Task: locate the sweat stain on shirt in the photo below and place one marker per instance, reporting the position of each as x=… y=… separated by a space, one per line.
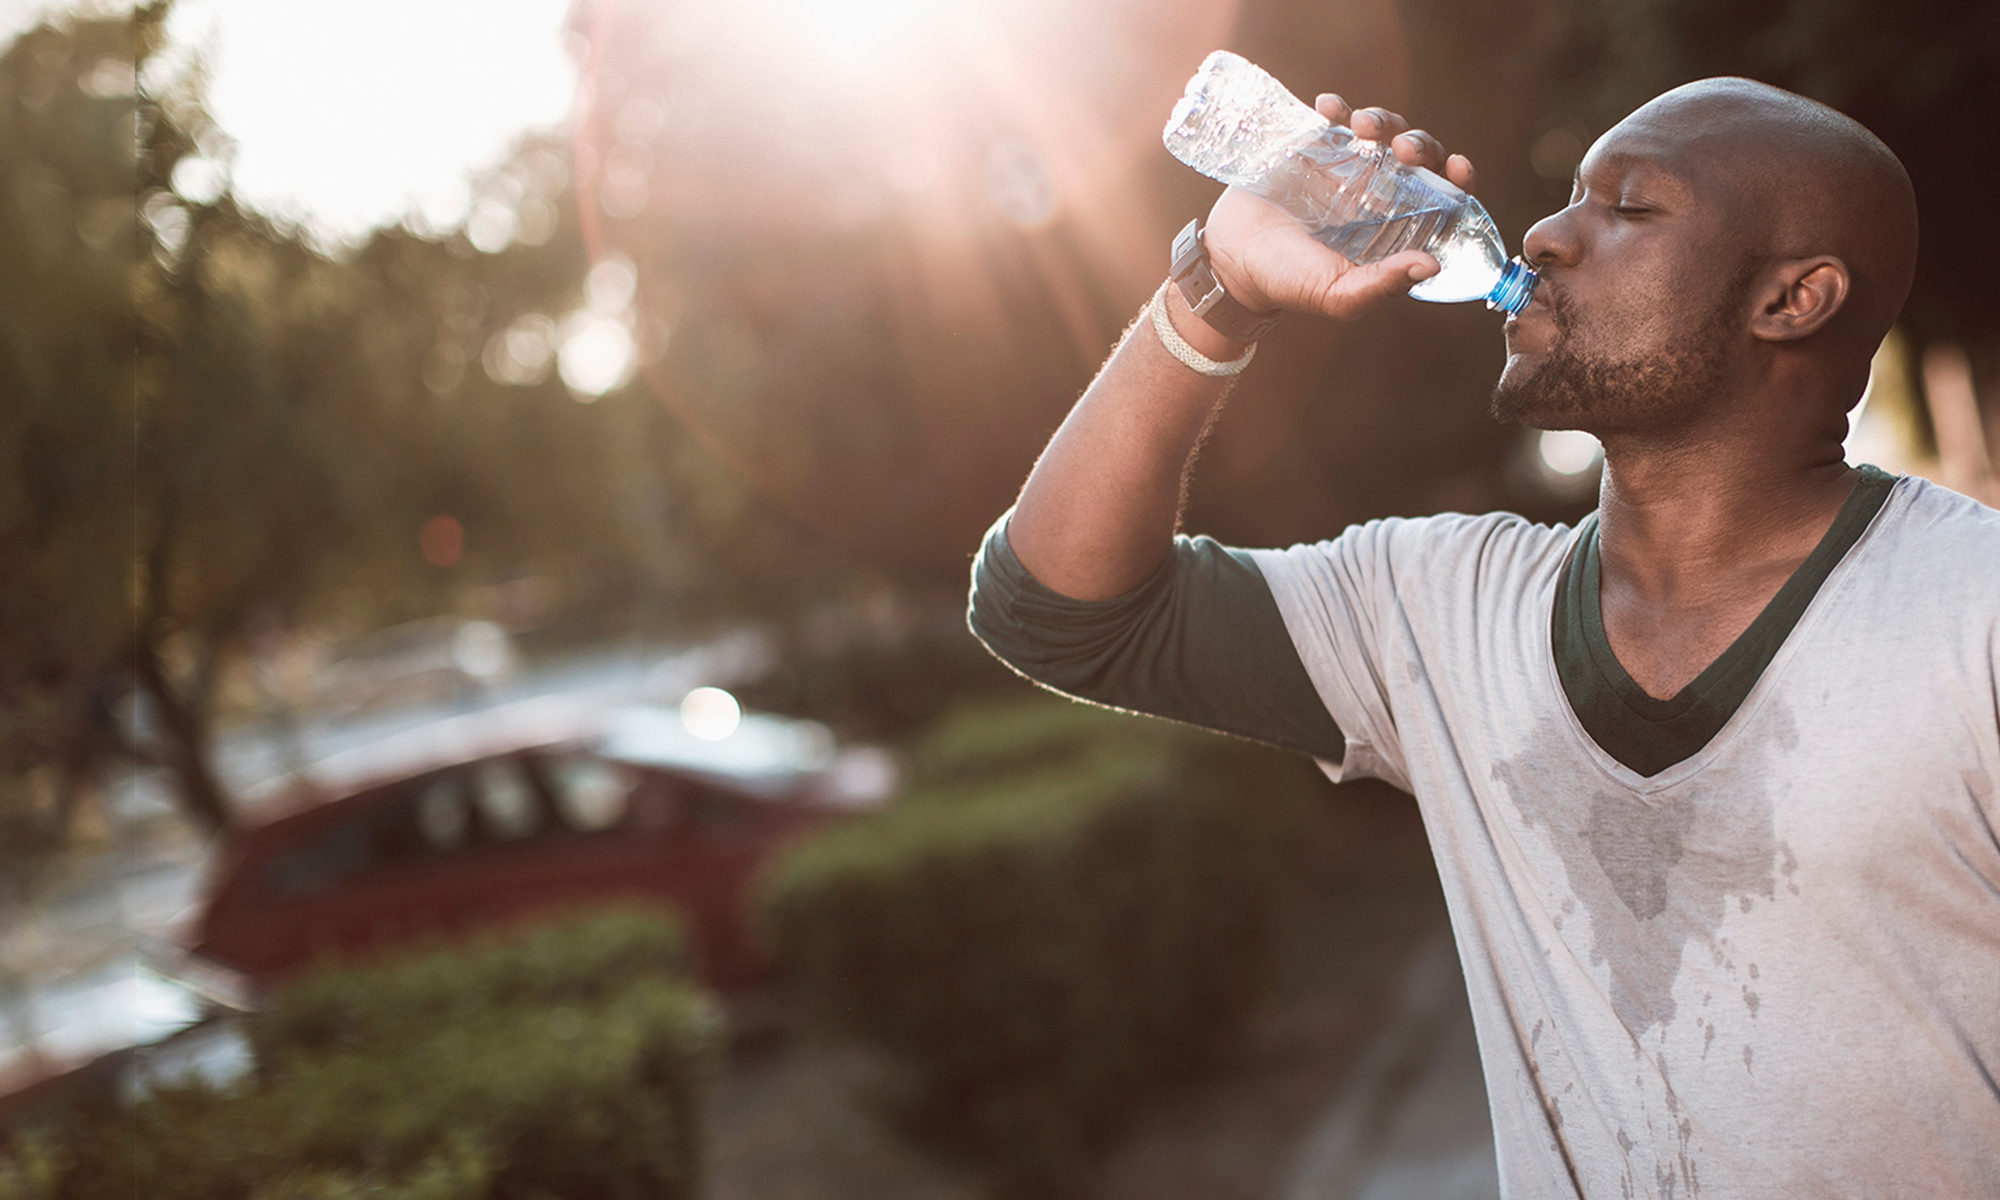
x=1655 y=872
x=1860 y=823
x=1636 y=845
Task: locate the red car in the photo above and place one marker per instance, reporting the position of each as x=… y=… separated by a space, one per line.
x=489 y=818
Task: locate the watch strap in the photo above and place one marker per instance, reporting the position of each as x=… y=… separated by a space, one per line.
x=1192 y=273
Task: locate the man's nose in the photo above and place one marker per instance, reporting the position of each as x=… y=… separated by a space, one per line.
x=1551 y=240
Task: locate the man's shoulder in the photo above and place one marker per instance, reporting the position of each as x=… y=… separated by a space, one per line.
x=1445 y=538
x=1432 y=553
x=1936 y=504
x=1926 y=522
x=1932 y=552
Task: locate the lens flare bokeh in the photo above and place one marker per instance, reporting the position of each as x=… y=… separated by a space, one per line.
x=799 y=184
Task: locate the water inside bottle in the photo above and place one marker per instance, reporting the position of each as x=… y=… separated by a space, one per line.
x=1238 y=125
x=1469 y=259
x=1374 y=238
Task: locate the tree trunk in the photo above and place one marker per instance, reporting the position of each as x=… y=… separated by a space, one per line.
x=184 y=728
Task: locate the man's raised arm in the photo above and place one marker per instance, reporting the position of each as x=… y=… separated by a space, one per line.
x=1098 y=514
x=1084 y=587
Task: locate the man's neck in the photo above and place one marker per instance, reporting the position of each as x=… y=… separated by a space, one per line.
x=1697 y=538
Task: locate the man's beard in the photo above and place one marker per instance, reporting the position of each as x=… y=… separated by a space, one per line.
x=1570 y=389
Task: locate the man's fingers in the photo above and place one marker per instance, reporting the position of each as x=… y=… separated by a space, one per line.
x=1458 y=169
x=1363 y=287
x=1414 y=146
x=1334 y=109
x=1377 y=124
x=1419 y=149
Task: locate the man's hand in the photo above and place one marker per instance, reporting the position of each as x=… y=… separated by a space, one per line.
x=1267 y=261
x=1098 y=513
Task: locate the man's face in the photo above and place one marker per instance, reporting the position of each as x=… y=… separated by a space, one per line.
x=1643 y=286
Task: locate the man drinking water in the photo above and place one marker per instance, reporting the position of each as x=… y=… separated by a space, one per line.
x=1713 y=778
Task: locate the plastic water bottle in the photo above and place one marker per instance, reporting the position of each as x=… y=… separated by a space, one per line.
x=1238 y=125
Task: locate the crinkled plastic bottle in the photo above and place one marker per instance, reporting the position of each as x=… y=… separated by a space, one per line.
x=1238 y=125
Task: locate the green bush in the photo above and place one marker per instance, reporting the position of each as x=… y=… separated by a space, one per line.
x=565 y=1061
x=580 y=961
x=1069 y=908
x=882 y=688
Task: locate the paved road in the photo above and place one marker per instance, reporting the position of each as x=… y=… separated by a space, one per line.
x=1411 y=1121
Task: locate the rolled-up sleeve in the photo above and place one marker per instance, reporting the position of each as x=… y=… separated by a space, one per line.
x=1200 y=641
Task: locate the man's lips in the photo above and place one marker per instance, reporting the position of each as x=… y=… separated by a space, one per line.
x=1536 y=324
x=1541 y=308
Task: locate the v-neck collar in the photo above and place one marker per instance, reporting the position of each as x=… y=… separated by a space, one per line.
x=1648 y=734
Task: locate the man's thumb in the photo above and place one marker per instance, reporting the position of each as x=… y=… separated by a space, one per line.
x=1366 y=286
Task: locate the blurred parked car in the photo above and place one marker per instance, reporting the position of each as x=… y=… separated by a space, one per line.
x=488 y=818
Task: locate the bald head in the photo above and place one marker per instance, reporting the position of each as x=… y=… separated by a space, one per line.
x=1801 y=180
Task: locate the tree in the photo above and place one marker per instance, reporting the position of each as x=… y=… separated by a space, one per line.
x=67 y=384
x=219 y=426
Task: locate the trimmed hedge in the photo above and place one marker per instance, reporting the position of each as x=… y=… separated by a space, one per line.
x=566 y=1061
x=583 y=960
x=1070 y=908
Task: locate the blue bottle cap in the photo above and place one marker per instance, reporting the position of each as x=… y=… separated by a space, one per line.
x=1516 y=287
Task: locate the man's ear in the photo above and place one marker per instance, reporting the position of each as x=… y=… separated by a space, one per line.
x=1797 y=297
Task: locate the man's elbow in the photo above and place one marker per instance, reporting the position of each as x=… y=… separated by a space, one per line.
x=988 y=616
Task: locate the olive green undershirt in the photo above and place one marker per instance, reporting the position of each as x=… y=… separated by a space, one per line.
x=1199 y=641
x=1202 y=641
x=1649 y=734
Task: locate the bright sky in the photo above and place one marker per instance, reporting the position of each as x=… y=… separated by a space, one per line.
x=350 y=112
x=347 y=113
x=17 y=15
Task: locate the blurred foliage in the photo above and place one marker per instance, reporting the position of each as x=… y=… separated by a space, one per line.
x=1069 y=909
x=881 y=680
x=219 y=432
x=579 y=961
x=66 y=413
x=567 y=1060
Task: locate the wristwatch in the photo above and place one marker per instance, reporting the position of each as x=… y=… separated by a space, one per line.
x=1203 y=292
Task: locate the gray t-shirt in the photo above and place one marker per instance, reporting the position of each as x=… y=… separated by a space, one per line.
x=1770 y=969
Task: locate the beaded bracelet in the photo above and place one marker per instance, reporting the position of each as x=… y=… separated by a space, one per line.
x=1190 y=357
